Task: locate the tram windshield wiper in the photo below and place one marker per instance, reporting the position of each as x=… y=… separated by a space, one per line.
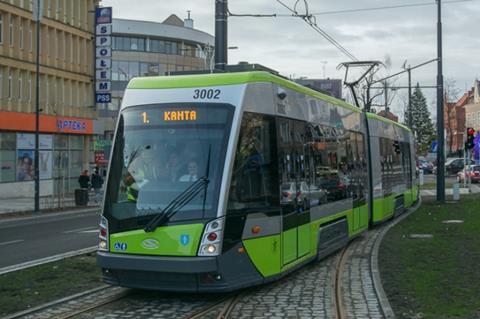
x=181 y=200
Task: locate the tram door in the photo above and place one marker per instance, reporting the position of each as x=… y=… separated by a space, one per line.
x=294 y=197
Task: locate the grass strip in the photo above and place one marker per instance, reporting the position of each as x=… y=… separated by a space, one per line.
x=438 y=277
x=433 y=185
x=27 y=288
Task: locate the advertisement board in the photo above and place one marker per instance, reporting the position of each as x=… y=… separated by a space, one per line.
x=103 y=54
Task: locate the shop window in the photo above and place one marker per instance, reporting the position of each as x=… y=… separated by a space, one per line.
x=7 y=157
x=60 y=142
x=76 y=142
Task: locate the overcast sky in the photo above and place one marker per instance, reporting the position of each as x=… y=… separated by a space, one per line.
x=290 y=46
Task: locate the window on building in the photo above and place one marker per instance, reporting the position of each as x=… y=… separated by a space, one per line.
x=30 y=36
x=21 y=34
x=11 y=33
x=115 y=76
x=58 y=9
x=1 y=28
x=134 y=44
x=7 y=157
x=10 y=84
x=123 y=70
x=1 y=83
x=47 y=37
x=20 y=86
x=132 y=69
x=47 y=91
x=30 y=87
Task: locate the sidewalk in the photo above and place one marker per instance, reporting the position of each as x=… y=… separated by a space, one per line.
x=25 y=205
x=449 y=191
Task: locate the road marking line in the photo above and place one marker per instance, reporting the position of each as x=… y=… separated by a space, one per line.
x=42 y=261
x=89 y=231
x=12 y=242
x=79 y=230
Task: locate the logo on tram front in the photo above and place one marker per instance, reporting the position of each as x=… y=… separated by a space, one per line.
x=150 y=243
x=184 y=239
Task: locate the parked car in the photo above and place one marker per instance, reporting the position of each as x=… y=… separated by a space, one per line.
x=473 y=171
x=425 y=166
x=455 y=165
x=334 y=186
x=303 y=194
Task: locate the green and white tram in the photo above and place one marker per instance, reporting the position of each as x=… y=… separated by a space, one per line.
x=223 y=181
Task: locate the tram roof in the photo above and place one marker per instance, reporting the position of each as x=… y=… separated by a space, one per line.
x=218 y=79
x=388 y=121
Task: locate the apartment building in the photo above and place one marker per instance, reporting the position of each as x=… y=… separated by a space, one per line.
x=66 y=94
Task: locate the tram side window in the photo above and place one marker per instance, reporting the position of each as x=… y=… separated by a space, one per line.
x=386 y=164
x=255 y=171
x=330 y=165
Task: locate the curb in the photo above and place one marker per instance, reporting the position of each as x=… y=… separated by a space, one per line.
x=19 y=216
x=377 y=280
x=42 y=261
x=54 y=303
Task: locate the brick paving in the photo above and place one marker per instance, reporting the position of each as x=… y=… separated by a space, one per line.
x=305 y=293
x=359 y=295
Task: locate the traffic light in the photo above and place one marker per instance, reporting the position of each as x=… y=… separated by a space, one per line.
x=470 y=137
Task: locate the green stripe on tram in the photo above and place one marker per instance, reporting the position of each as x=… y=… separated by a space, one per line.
x=268 y=261
x=219 y=79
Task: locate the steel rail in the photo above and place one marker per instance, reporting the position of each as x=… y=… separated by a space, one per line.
x=339 y=306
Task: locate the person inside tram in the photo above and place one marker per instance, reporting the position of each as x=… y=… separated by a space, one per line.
x=173 y=167
x=141 y=170
x=192 y=172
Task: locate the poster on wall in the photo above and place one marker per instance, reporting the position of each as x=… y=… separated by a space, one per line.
x=45 y=164
x=27 y=141
x=7 y=166
x=25 y=167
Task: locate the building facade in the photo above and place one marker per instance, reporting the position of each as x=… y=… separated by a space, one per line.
x=455 y=125
x=66 y=94
x=142 y=48
x=389 y=115
x=332 y=87
x=472 y=107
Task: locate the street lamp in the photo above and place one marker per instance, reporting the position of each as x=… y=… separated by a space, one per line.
x=37 y=16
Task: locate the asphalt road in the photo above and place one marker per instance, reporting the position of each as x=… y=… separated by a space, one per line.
x=28 y=239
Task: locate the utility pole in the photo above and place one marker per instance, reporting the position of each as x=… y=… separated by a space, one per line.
x=37 y=15
x=440 y=115
x=221 y=34
x=409 y=120
x=385 y=91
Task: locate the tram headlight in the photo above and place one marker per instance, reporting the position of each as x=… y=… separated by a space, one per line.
x=103 y=235
x=211 y=243
x=211 y=248
x=102 y=245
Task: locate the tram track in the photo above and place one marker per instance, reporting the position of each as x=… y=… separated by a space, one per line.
x=111 y=299
x=339 y=306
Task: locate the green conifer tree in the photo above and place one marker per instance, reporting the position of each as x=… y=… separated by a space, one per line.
x=422 y=125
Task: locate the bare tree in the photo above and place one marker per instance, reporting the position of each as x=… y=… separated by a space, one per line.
x=451 y=92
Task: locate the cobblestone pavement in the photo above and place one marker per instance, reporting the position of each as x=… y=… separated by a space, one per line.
x=359 y=296
x=305 y=293
x=75 y=304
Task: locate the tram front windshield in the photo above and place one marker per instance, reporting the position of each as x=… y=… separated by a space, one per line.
x=159 y=151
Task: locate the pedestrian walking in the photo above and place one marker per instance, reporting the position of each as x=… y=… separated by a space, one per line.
x=97 y=182
x=84 y=179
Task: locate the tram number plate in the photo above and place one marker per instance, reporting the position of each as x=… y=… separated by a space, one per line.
x=209 y=94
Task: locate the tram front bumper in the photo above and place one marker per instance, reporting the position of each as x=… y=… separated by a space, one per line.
x=185 y=274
